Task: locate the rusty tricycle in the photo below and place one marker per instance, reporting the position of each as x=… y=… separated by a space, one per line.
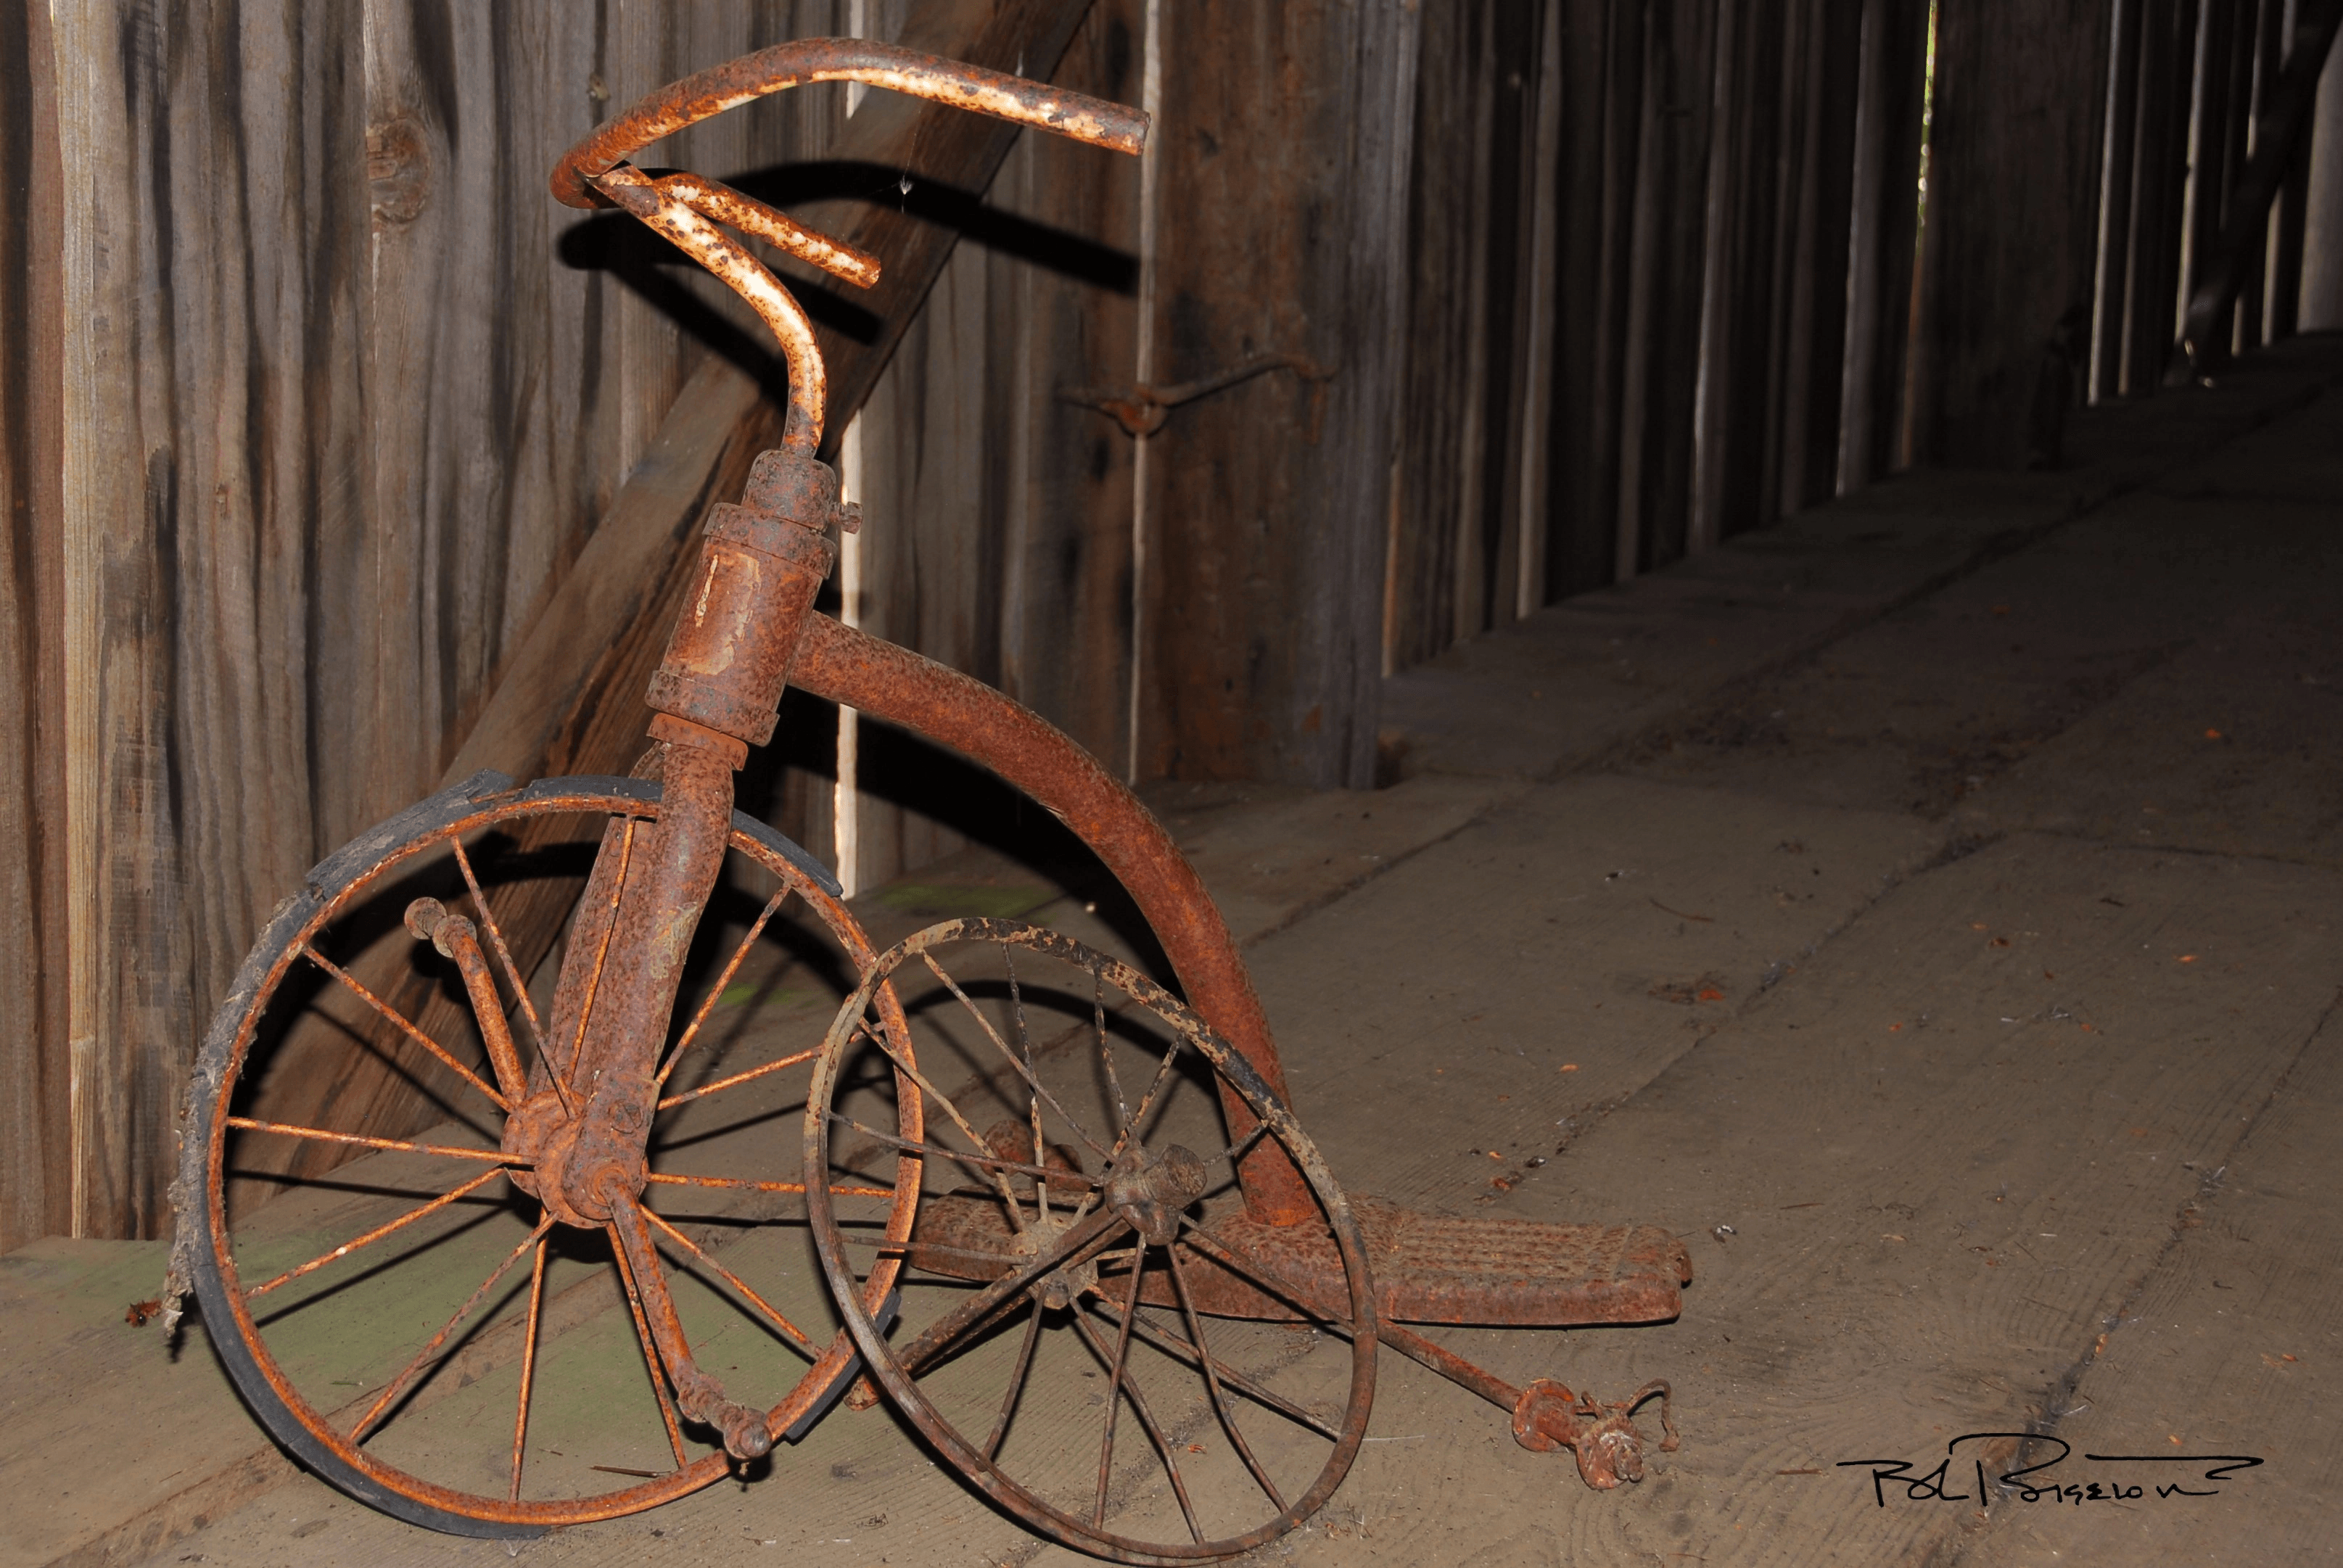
x=1063 y=1219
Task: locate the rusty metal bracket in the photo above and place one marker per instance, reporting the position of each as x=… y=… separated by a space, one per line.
x=1140 y=409
x=1610 y=1449
x=1548 y=1417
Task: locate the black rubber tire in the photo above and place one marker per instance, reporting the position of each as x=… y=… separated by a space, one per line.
x=195 y=1193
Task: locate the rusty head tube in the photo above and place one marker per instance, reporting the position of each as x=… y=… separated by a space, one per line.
x=594 y=171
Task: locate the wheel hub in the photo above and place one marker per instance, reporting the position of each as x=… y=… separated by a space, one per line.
x=1150 y=1190
x=580 y=1167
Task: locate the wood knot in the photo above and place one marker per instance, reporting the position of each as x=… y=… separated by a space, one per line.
x=398 y=171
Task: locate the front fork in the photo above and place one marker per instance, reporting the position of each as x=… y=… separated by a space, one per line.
x=585 y=1120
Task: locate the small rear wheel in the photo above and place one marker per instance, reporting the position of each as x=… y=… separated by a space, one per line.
x=1066 y=1340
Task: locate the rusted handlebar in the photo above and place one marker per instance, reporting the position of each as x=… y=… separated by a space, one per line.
x=784 y=66
x=679 y=206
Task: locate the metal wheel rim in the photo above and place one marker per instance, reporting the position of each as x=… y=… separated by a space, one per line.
x=884 y=1369
x=584 y=796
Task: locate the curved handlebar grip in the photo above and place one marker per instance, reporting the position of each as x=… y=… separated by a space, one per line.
x=721 y=88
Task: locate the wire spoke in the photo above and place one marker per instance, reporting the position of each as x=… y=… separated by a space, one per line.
x=741 y=1184
x=1242 y=1146
x=527 y=1367
x=992 y=1317
x=934 y=1249
x=494 y=1156
x=1002 y=1046
x=716 y=991
x=651 y=1363
x=1146 y=1419
x=789 y=1330
x=1097 y=1015
x=398 y=1383
x=734 y=1082
x=1178 y=1348
x=1114 y=1389
x=1016 y=1214
x=1075 y=1246
x=979 y=1163
x=377 y=1234
x=512 y=973
x=395 y=1017
x=497 y=940
x=1261 y=1273
x=1213 y=1381
x=1146 y=1101
x=1016 y=1381
x=602 y=956
x=1032 y=1099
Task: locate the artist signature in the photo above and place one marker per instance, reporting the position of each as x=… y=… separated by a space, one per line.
x=2028 y=1483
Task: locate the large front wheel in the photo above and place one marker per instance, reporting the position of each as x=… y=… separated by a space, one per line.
x=363 y=1238
x=1067 y=1340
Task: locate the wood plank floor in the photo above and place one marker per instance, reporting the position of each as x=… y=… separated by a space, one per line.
x=1950 y=952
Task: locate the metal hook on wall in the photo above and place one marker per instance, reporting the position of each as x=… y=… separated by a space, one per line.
x=1140 y=409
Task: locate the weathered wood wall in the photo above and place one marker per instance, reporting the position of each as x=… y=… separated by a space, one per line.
x=2321 y=307
x=1236 y=581
x=310 y=399
x=998 y=538
x=1283 y=147
x=1663 y=259
x=1659 y=276
x=36 y=1138
x=2020 y=111
x=345 y=393
x=353 y=396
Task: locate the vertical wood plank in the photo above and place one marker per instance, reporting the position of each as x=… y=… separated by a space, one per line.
x=2012 y=217
x=1264 y=651
x=1631 y=552
x=1543 y=285
x=1514 y=49
x=1656 y=468
x=1815 y=343
x=2282 y=309
x=1788 y=181
x=2322 y=222
x=35 y=1141
x=215 y=406
x=2258 y=59
x=1065 y=619
x=2114 y=202
x=1883 y=237
x=1748 y=369
x=1446 y=305
x=1477 y=384
x=1728 y=102
x=1578 y=531
x=2159 y=184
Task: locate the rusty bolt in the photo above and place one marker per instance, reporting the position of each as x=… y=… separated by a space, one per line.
x=427 y=920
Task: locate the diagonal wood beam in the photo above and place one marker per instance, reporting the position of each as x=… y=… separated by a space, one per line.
x=570 y=699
